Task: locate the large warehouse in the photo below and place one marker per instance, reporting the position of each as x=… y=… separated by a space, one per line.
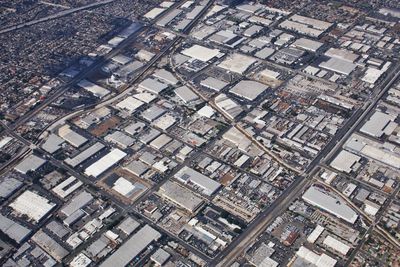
x=333 y=204
x=32 y=205
x=106 y=162
x=181 y=196
x=249 y=90
x=207 y=185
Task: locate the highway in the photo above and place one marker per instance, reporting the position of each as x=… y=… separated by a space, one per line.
x=54 y=16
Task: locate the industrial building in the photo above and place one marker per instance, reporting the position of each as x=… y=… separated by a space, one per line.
x=95 y=89
x=85 y=154
x=378 y=124
x=130 y=104
x=67 y=187
x=106 y=162
x=71 y=136
x=186 y=94
x=249 y=90
x=214 y=84
x=346 y=162
x=8 y=186
x=189 y=176
x=181 y=196
x=166 y=76
x=228 y=106
x=338 y=65
x=237 y=63
x=336 y=245
x=201 y=53
x=305 y=25
x=52 y=144
x=49 y=245
x=30 y=163
x=333 y=204
x=152 y=86
x=13 y=230
x=307 y=257
x=120 y=139
x=32 y=205
x=307 y=44
x=132 y=247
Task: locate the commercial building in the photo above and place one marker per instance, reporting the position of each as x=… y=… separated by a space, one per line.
x=189 y=176
x=132 y=247
x=333 y=204
x=32 y=205
x=106 y=162
x=181 y=196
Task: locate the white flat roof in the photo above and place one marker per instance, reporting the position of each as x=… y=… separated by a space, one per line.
x=237 y=63
x=130 y=103
x=201 y=53
x=155 y=12
x=336 y=245
x=331 y=203
x=376 y=124
x=188 y=175
x=338 y=65
x=345 y=161
x=32 y=205
x=106 y=162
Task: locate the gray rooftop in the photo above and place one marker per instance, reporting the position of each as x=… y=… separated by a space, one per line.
x=30 y=163
x=132 y=248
